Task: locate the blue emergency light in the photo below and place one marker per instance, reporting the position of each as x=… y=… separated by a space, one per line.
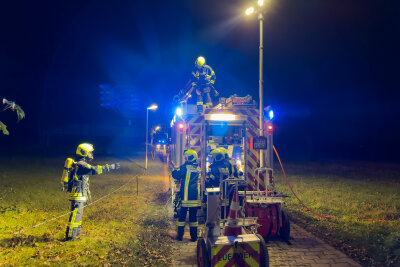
x=178 y=112
x=271 y=114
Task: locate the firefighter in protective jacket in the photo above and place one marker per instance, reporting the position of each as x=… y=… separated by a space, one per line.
x=233 y=171
x=219 y=169
x=203 y=80
x=189 y=174
x=79 y=186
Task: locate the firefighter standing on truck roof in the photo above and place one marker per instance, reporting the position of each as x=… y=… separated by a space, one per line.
x=203 y=81
x=189 y=173
x=78 y=185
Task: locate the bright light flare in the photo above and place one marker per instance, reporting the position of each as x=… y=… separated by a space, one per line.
x=270 y=128
x=157 y=128
x=223 y=117
x=181 y=125
x=271 y=114
x=249 y=11
x=260 y=2
x=178 y=112
x=153 y=107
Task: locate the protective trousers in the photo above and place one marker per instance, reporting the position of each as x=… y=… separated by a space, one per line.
x=192 y=222
x=75 y=220
x=203 y=92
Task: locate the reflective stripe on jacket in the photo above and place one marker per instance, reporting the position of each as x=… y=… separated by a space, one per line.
x=189 y=174
x=82 y=170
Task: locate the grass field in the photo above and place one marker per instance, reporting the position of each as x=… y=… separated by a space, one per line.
x=126 y=229
x=122 y=229
x=351 y=192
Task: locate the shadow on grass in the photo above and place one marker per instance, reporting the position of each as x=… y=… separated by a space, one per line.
x=26 y=241
x=163 y=198
x=150 y=247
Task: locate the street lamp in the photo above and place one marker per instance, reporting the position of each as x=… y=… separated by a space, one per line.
x=152 y=107
x=250 y=11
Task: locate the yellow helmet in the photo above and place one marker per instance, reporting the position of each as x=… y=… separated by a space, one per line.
x=200 y=61
x=190 y=155
x=85 y=150
x=224 y=151
x=217 y=154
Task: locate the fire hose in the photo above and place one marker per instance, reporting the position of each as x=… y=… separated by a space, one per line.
x=324 y=216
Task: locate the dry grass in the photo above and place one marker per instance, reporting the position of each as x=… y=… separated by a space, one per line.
x=118 y=230
x=351 y=192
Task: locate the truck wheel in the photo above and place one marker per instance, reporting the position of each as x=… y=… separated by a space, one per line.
x=203 y=259
x=264 y=256
x=285 y=229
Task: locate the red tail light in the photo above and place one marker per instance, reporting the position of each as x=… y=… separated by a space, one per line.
x=181 y=126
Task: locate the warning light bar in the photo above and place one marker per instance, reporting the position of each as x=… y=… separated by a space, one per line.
x=223 y=117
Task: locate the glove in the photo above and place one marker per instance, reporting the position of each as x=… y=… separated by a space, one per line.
x=115 y=166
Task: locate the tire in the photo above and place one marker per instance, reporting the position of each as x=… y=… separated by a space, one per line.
x=284 y=232
x=264 y=256
x=203 y=259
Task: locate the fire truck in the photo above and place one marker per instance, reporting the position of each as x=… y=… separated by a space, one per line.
x=233 y=124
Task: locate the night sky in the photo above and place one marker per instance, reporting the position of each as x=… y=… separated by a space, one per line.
x=331 y=70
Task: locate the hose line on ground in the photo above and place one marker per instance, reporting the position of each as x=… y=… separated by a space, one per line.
x=65 y=214
x=304 y=205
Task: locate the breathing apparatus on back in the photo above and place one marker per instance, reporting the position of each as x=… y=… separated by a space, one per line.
x=84 y=150
x=67 y=177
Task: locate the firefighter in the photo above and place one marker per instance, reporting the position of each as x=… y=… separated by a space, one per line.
x=80 y=192
x=233 y=171
x=203 y=80
x=189 y=175
x=223 y=168
x=218 y=169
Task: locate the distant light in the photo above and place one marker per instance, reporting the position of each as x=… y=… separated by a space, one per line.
x=178 y=112
x=271 y=114
x=249 y=11
x=270 y=127
x=157 y=128
x=223 y=117
x=260 y=2
x=181 y=125
x=153 y=107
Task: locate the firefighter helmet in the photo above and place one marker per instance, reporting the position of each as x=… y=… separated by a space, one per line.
x=200 y=61
x=190 y=155
x=85 y=150
x=217 y=154
x=224 y=151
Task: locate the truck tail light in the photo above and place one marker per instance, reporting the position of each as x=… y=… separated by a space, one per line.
x=181 y=126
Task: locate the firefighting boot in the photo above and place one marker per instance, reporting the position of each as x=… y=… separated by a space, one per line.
x=181 y=230
x=200 y=103
x=199 y=107
x=71 y=235
x=208 y=100
x=193 y=234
